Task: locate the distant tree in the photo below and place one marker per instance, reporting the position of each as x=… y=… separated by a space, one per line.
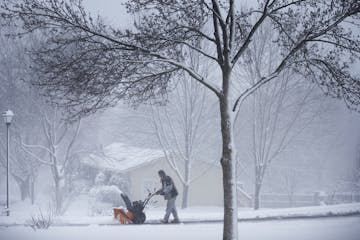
x=292 y=178
x=180 y=127
x=21 y=98
x=59 y=151
x=357 y=169
x=23 y=169
x=87 y=65
x=277 y=114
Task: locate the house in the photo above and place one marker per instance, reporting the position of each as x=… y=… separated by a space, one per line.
x=140 y=166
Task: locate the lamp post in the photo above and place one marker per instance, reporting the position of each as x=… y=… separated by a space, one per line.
x=7 y=115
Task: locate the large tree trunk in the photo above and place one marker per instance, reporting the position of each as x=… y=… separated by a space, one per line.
x=228 y=163
x=257 y=195
x=23 y=187
x=186 y=185
x=58 y=193
x=184 y=203
x=32 y=189
x=258 y=184
x=291 y=199
x=58 y=196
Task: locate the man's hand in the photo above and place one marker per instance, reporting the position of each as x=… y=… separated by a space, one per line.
x=159 y=192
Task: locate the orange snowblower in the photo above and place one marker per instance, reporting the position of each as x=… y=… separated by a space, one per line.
x=134 y=212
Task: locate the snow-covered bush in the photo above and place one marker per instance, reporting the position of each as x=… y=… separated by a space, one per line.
x=42 y=220
x=103 y=199
x=320 y=198
x=100 y=178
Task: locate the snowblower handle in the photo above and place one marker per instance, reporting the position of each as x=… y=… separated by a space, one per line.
x=149 y=197
x=158 y=192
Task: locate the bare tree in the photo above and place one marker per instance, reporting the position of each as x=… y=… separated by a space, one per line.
x=291 y=182
x=19 y=96
x=356 y=172
x=59 y=145
x=88 y=65
x=278 y=113
x=23 y=171
x=178 y=127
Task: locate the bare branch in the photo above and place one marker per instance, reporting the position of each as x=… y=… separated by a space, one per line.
x=251 y=34
x=35 y=156
x=286 y=5
x=72 y=142
x=252 y=89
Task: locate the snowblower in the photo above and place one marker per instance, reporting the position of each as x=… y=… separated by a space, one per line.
x=134 y=212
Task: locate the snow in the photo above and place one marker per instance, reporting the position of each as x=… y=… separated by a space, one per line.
x=80 y=209
x=102 y=198
x=199 y=223
x=121 y=157
x=319 y=229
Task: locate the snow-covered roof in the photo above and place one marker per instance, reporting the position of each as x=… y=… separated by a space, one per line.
x=120 y=157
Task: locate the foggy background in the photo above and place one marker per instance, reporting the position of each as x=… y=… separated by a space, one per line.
x=321 y=151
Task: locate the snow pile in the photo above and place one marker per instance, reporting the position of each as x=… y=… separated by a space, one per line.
x=303 y=212
x=216 y=214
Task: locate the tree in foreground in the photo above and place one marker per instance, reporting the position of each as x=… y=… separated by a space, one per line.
x=87 y=65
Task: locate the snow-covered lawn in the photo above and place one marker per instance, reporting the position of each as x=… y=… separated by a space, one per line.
x=339 y=228
x=77 y=224
x=78 y=213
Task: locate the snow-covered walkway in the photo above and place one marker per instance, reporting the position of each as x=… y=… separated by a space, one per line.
x=78 y=216
x=340 y=228
x=76 y=224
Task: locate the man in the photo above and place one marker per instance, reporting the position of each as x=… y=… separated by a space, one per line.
x=168 y=190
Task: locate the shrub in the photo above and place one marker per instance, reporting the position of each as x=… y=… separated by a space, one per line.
x=41 y=221
x=100 y=178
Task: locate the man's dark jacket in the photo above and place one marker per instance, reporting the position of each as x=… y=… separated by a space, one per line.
x=168 y=188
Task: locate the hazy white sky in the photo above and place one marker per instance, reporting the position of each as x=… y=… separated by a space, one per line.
x=112 y=11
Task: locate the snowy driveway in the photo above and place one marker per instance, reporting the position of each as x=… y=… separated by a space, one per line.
x=337 y=228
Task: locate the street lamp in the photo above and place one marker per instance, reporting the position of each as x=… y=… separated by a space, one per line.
x=7 y=115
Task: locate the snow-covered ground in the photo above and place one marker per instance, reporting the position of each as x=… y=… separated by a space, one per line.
x=78 y=214
x=200 y=223
x=341 y=228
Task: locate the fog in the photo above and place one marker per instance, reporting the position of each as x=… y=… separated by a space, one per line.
x=315 y=143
